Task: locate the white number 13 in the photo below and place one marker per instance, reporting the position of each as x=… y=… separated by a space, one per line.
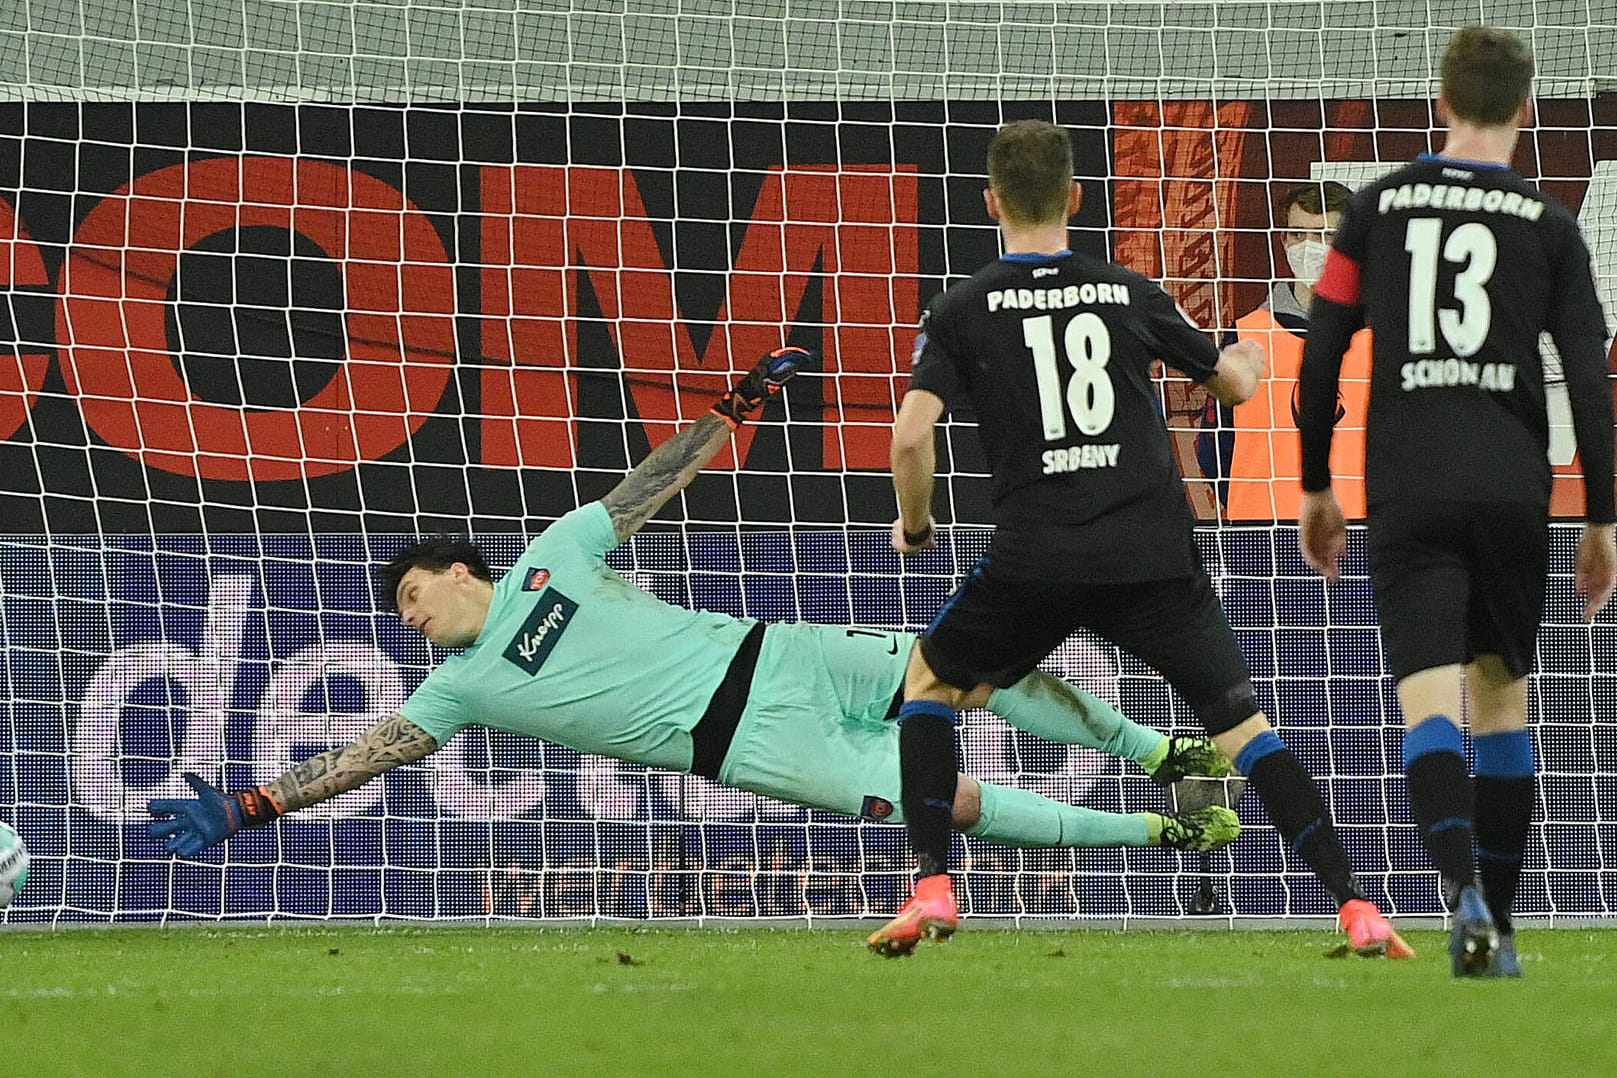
x=1090 y=395
x=1467 y=328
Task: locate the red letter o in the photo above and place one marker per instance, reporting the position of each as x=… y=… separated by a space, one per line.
x=400 y=298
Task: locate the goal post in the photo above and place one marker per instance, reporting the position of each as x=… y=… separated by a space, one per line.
x=285 y=285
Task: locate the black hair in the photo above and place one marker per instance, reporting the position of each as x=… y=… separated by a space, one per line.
x=435 y=555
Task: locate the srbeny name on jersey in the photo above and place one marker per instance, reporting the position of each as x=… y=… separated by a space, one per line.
x=1447 y=196
x=1445 y=373
x=1079 y=457
x=1055 y=299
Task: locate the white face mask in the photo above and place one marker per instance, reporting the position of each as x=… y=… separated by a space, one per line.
x=1307 y=258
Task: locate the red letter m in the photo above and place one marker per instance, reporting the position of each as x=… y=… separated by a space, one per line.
x=544 y=225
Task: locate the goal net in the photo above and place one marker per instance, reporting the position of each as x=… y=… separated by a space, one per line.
x=286 y=284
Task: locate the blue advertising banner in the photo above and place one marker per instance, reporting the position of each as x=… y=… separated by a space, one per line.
x=133 y=660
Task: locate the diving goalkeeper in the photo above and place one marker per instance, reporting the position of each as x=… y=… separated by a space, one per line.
x=563 y=648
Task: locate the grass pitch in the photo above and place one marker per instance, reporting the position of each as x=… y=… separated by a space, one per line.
x=524 y=1001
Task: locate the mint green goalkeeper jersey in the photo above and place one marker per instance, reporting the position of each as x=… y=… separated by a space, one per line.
x=573 y=653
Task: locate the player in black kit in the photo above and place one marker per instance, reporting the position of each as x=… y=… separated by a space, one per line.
x=1054 y=350
x=1459 y=264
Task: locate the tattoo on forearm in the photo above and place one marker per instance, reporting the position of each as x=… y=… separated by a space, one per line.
x=392 y=742
x=663 y=474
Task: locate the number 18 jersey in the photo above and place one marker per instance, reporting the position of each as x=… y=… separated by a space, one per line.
x=1054 y=355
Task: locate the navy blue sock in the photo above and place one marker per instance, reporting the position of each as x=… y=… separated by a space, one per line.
x=1505 y=769
x=1298 y=811
x=1441 y=799
x=928 y=765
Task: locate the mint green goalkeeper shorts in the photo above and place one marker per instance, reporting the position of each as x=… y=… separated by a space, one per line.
x=817 y=729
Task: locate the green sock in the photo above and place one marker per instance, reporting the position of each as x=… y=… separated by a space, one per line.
x=1057 y=711
x=1022 y=818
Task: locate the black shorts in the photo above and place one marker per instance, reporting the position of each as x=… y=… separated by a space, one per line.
x=1455 y=580
x=998 y=626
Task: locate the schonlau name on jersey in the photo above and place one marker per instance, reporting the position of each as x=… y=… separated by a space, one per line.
x=1444 y=373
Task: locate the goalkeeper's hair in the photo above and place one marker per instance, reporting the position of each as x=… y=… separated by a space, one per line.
x=1487 y=75
x=1030 y=167
x=434 y=555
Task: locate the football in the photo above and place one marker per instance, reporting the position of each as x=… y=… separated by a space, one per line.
x=13 y=864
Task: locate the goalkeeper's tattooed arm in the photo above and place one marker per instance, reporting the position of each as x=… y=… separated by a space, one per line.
x=666 y=472
x=670 y=467
x=187 y=826
x=390 y=743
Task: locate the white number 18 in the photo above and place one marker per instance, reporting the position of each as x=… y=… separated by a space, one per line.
x=1090 y=395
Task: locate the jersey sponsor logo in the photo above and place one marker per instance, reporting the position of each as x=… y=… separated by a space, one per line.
x=1444 y=196
x=876 y=808
x=538 y=637
x=536 y=580
x=1445 y=373
x=1080 y=457
x=1055 y=299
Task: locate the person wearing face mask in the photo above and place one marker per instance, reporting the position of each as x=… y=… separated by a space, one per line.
x=1252 y=450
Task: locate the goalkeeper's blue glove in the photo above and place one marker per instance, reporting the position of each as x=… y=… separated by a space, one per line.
x=760 y=383
x=187 y=827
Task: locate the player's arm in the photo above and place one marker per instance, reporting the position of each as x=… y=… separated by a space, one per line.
x=914 y=462
x=188 y=826
x=670 y=467
x=1334 y=317
x=1231 y=374
x=1238 y=373
x=1336 y=314
x=1577 y=324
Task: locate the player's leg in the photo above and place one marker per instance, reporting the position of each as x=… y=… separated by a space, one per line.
x=1504 y=793
x=928 y=758
x=1440 y=794
x=1507 y=604
x=1421 y=570
x=987 y=633
x=1058 y=711
x=1179 y=628
x=1022 y=818
x=928 y=764
x=1442 y=800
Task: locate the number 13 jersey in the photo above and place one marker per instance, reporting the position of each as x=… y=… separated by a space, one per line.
x=1054 y=355
x=1459 y=266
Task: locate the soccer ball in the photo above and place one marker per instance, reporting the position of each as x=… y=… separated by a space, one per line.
x=13 y=864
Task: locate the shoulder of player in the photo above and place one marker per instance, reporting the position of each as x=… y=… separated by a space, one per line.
x=578 y=529
x=1433 y=171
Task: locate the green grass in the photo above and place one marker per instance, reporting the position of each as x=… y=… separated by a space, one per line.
x=523 y=1001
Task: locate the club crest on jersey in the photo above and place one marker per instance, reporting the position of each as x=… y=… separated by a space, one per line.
x=876 y=808
x=538 y=637
x=536 y=579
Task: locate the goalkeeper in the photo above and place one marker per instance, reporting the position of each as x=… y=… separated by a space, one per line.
x=565 y=649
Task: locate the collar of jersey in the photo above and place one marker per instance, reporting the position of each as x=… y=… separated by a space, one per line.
x=1438 y=158
x=1033 y=256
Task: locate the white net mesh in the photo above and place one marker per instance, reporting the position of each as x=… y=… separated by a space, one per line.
x=284 y=282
